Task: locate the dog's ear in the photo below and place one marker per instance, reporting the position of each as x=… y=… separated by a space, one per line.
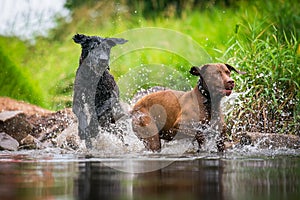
x=195 y=71
x=114 y=41
x=233 y=69
x=80 y=38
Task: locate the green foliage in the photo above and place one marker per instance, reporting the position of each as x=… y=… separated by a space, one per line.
x=71 y=4
x=271 y=58
x=16 y=83
x=284 y=15
x=155 y=8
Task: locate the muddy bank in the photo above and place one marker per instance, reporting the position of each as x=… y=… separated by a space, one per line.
x=26 y=126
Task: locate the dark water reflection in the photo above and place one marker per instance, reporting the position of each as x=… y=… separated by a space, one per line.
x=22 y=177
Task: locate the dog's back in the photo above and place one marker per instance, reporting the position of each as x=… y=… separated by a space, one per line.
x=165 y=110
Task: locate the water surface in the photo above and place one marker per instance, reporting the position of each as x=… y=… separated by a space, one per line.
x=55 y=174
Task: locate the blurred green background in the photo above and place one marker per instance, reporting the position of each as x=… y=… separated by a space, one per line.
x=259 y=37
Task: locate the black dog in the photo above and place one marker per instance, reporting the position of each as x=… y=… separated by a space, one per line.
x=96 y=94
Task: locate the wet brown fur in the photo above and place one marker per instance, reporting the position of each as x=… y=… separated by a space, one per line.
x=163 y=114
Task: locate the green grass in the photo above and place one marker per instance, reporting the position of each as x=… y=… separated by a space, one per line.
x=16 y=82
x=269 y=51
x=272 y=80
x=261 y=38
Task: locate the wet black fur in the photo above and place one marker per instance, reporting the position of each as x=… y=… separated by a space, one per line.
x=107 y=93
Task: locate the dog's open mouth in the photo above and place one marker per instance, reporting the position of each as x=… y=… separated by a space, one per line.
x=226 y=91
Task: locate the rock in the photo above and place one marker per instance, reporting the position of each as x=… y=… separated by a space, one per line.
x=35 y=127
x=15 y=124
x=8 y=143
x=30 y=142
x=49 y=126
x=271 y=140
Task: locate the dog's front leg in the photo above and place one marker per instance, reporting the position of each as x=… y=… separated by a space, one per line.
x=145 y=128
x=200 y=138
x=152 y=143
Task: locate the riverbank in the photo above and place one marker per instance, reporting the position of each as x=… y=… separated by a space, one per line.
x=27 y=126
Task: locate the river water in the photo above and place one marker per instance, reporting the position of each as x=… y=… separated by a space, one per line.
x=236 y=174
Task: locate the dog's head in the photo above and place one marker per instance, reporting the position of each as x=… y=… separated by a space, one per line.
x=215 y=79
x=98 y=46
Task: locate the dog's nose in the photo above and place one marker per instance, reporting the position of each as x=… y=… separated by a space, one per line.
x=230 y=81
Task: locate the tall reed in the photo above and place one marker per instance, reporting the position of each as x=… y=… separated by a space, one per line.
x=271 y=59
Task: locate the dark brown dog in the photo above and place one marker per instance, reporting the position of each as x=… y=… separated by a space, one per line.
x=163 y=114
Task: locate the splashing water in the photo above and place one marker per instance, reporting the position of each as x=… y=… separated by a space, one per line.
x=110 y=145
x=123 y=142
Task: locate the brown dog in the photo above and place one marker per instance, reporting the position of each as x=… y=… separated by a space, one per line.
x=163 y=114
